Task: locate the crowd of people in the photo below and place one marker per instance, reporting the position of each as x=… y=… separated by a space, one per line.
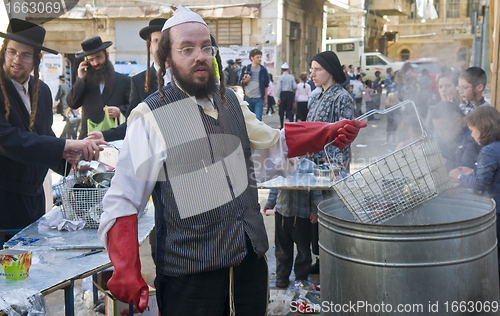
x=187 y=131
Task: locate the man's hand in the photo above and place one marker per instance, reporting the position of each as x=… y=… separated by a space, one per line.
x=466 y=171
x=72 y=156
x=82 y=69
x=113 y=111
x=455 y=173
x=95 y=136
x=313 y=218
x=246 y=78
x=87 y=146
x=267 y=211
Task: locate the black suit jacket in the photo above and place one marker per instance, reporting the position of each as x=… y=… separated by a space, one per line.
x=137 y=95
x=25 y=157
x=115 y=93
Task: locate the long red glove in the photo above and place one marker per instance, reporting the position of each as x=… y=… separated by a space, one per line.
x=126 y=284
x=310 y=137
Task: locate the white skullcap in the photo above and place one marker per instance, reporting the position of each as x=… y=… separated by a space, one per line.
x=183 y=15
x=284 y=66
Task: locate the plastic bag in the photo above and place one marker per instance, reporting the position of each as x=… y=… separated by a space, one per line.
x=107 y=123
x=280 y=302
x=23 y=302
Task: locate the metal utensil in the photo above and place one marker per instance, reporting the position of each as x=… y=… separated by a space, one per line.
x=87 y=254
x=103 y=179
x=86 y=169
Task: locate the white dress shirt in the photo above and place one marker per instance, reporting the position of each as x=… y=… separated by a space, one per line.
x=143 y=153
x=23 y=91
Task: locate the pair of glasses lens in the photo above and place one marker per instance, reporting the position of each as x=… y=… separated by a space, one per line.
x=12 y=54
x=192 y=52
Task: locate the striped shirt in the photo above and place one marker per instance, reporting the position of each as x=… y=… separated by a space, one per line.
x=468 y=106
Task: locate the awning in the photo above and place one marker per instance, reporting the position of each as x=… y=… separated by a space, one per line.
x=228 y=11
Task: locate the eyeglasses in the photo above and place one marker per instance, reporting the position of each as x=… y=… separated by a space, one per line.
x=12 y=54
x=315 y=70
x=97 y=59
x=462 y=88
x=192 y=52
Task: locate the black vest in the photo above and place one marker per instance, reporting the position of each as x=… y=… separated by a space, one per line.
x=206 y=198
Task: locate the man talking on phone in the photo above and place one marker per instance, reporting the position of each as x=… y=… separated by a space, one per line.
x=98 y=85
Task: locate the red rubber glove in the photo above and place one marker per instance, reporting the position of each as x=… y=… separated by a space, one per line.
x=310 y=137
x=127 y=284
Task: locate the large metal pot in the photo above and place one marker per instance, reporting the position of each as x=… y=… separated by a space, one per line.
x=433 y=258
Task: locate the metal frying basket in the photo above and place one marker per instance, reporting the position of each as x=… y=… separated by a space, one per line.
x=397 y=182
x=82 y=204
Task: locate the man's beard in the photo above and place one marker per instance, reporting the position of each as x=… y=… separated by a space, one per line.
x=96 y=76
x=196 y=89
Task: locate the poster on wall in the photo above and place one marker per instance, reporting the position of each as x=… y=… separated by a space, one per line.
x=269 y=56
x=51 y=67
x=234 y=53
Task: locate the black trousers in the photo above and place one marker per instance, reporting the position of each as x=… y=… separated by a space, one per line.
x=358 y=104
x=286 y=106
x=207 y=293
x=290 y=230
x=302 y=111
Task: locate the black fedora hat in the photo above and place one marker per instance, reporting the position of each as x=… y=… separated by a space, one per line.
x=27 y=33
x=155 y=25
x=92 y=45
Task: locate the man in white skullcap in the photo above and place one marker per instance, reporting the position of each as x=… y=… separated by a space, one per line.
x=285 y=91
x=196 y=147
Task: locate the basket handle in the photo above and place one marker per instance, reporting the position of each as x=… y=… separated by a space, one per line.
x=392 y=108
x=374 y=111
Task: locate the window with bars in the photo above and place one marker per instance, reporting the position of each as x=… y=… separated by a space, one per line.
x=226 y=31
x=453 y=8
x=473 y=6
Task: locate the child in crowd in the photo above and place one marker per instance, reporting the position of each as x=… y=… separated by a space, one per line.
x=447 y=83
x=302 y=97
x=369 y=94
x=389 y=83
x=471 y=84
x=457 y=146
x=392 y=117
x=349 y=89
x=484 y=123
x=425 y=82
x=270 y=96
x=358 y=89
x=377 y=86
x=295 y=211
